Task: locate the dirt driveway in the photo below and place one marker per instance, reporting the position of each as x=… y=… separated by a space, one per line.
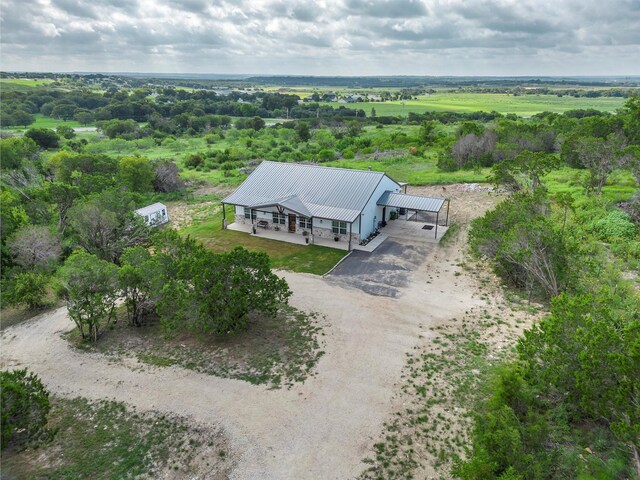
x=320 y=429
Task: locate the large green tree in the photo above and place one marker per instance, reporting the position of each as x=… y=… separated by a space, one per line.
x=89 y=285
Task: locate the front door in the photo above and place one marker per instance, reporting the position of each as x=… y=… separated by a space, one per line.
x=292 y=223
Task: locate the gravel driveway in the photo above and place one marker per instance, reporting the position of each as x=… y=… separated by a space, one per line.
x=320 y=429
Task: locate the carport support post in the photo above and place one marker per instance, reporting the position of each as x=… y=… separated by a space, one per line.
x=437 y=216
x=446 y=223
x=350 y=227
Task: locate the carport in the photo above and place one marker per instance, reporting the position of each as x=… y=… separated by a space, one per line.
x=417 y=204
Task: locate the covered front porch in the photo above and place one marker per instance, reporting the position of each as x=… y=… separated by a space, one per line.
x=286 y=236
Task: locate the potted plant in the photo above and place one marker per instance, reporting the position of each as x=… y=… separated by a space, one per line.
x=336 y=238
x=305 y=234
x=393 y=215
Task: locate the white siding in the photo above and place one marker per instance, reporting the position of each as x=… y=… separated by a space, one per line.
x=372 y=211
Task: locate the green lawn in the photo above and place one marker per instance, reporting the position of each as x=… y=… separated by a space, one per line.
x=523 y=105
x=286 y=256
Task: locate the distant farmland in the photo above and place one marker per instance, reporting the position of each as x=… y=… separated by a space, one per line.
x=523 y=105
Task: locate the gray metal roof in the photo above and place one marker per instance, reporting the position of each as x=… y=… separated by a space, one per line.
x=292 y=203
x=149 y=209
x=411 y=202
x=326 y=192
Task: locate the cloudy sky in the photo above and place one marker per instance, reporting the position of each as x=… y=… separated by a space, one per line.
x=333 y=37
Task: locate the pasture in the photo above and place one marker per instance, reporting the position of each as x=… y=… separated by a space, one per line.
x=523 y=105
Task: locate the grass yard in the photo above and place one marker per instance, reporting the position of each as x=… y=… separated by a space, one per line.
x=286 y=256
x=523 y=105
x=106 y=440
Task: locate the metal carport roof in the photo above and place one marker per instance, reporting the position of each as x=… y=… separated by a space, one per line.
x=411 y=202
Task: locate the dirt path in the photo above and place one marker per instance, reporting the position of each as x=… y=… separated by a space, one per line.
x=320 y=429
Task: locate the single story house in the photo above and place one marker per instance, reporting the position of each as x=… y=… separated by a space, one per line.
x=335 y=203
x=155 y=214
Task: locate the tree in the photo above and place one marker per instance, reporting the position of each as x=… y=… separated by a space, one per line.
x=167 y=177
x=20 y=117
x=524 y=171
x=65 y=132
x=120 y=128
x=428 y=132
x=373 y=112
x=16 y=151
x=600 y=157
x=34 y=247
x=587 y=353
x=136 y=173
x=105 y=225
x=25 y=406
x=521 y=241
x=215 y=293
x=303 y=131
x=83 y=117
x=89 y=285
x=26 y=288
x=141 y=278
x=64 y=111
x=63 y=196
x=43 y=137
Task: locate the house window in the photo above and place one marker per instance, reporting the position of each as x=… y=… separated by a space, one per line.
x=279 y=218
x=304 y=222
x=339 y=227
x=247 y=212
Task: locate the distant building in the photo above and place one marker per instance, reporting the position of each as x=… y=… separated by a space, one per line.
x=154 y=215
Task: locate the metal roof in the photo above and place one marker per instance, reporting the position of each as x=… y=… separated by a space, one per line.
x=292 y=203
x=411 y=202
x=149 y=209
x=326 y=192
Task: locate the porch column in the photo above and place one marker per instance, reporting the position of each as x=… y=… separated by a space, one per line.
x=350 y=228
x=437 y=215
x=224 y=217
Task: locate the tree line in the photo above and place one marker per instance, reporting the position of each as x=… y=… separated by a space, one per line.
x=566 y=405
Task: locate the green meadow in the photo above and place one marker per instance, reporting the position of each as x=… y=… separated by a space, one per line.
x=522 y=105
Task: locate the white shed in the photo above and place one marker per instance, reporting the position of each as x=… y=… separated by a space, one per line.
x=156 y=214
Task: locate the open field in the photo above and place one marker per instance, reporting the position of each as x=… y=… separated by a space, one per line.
x=523 y=105
x=22 y=83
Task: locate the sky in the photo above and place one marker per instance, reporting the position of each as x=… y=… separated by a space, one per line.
x=341 y=37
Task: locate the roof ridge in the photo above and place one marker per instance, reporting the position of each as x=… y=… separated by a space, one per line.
x=324 y=166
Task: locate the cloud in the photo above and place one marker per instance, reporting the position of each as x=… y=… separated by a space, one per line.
x=346 y=37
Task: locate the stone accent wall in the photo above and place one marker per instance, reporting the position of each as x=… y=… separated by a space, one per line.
x=328 y=234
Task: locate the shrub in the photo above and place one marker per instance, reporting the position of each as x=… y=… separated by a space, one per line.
x=616 y=225
x=194 y=160
x=43 y=137
x=25 y=406
x=28 y=289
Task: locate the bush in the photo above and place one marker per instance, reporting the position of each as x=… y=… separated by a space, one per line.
x=194 y=160
x=43 y=137
x=615 y=226
x=28 y=289
x=25 y=406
